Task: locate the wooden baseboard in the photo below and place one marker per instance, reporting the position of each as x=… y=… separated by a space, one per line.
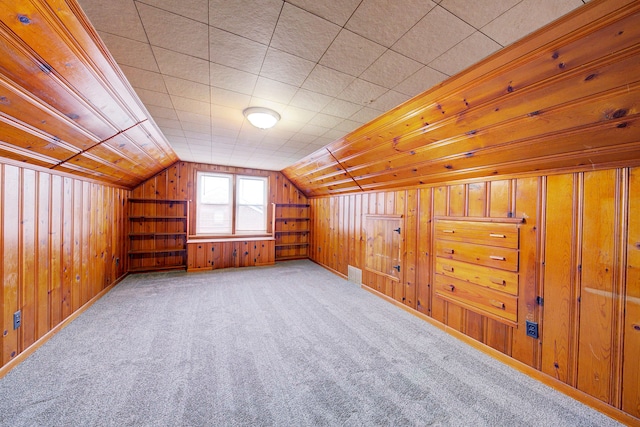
x=46 y=337
x=574 y=393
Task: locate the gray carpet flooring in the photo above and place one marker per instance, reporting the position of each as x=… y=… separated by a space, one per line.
x=285 y=345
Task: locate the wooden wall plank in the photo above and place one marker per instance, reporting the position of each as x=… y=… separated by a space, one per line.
x=597 y=290
x=560 y=265
x=29 y=230
x=43 y=254
x=631 y=367
x=10 y=259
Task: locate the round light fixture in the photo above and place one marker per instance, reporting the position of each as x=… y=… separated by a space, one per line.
x=260 y=117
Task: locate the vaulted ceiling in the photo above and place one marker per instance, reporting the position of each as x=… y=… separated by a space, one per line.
x=328 y=67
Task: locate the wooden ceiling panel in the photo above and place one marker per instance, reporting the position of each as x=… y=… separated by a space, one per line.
x=58 y=82
x=570 y=80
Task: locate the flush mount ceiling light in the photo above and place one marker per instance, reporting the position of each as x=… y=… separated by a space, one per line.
x=260 y=117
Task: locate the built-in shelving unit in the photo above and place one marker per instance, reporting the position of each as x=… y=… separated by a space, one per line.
x=157 y=234
x=291 y=230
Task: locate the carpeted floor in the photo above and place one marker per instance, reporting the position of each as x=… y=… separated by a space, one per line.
x=286 y=345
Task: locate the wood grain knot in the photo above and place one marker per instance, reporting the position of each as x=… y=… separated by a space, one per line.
x=24 y=19
x=555 y=365
x=636 y=327
x=619 y=113
x=590 y=77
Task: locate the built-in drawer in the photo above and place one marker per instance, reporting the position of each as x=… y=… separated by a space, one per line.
x=489 y=256
x=494 y=304
x=505 y=281
x=481 y=233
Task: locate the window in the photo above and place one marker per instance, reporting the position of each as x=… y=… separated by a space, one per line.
x=231 y=204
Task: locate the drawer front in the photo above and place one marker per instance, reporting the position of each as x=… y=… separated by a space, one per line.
x=505 y=281
x=489 y=256
x=493 y=303
x=481 y=233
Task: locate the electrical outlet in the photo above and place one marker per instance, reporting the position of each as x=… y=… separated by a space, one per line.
x=17 y=319
x=532 y=329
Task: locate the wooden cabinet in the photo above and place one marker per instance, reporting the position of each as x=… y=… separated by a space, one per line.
x=157 y=234
x=291 y=230
x=476 y=265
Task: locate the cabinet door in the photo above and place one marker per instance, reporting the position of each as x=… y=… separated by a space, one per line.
x=383 y=257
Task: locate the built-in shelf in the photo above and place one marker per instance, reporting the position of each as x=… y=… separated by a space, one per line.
x=291 y=230
x=157 y=234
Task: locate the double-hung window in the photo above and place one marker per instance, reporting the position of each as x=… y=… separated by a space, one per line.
x=231 y=204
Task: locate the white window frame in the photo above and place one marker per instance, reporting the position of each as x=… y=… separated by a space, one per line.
x=234 y=204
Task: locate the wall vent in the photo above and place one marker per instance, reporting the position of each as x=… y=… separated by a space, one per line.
x=354 y=274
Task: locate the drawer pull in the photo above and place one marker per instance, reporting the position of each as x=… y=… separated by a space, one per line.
x=448 y=231
x=501 y=236
x=451 y=287
x=447 y=268
x=497 y=281
x=497 y=304
x=448 y=251
x=497 y=258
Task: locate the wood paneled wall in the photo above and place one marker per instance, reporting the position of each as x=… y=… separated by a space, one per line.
x=62 y=243
x=579 y=251
x=179 y=182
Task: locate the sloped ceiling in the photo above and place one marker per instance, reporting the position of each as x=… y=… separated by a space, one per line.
x=565 y=98
x=64 y=105
x=328 y=67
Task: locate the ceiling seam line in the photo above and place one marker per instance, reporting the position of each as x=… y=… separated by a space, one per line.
x=344 y=169
x=96 y=144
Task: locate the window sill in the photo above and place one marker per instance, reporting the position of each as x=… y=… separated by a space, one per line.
x=237 y=238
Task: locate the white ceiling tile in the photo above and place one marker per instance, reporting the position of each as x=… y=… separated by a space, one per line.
x=226 y=114
x=341 y=108
x=144 y=79
x=325 y=120
x=202 y=144
x=168 y=124
x=336 y=11
x=253 y=19
x=348 y=126
x=421 y=81
x=351 y=53
x=297 y=114
x=182 y=66
x=478 y=14
x=260 y=102
x=235 y=51
x=287 y=149
x=191 y=128
x=303 y=139
x=314 y=130
x=365 y=115
x=333 y=135
x=286 y=68
x=437 y=32
x=526 y=17
x=310 y=100
x=229 y=98
x=130 y=52
x=190 y=117
x=300 y=33
x=389 y=101
x=162 y=112
x=327 y=81
x=187 y=89
x=197 y=135
x=175 y=32
x=177 y=140
x=390 y=69
x=115 y=17
x=385 y=21
x=224 y=133
x=232 y=79
x=191 y=105
x=172 y=132
x=290 y=125
x=362 y=92
x=274 y=91
x=279 y=134
x=150 y=97
x=193 y=9
x=466 y=53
